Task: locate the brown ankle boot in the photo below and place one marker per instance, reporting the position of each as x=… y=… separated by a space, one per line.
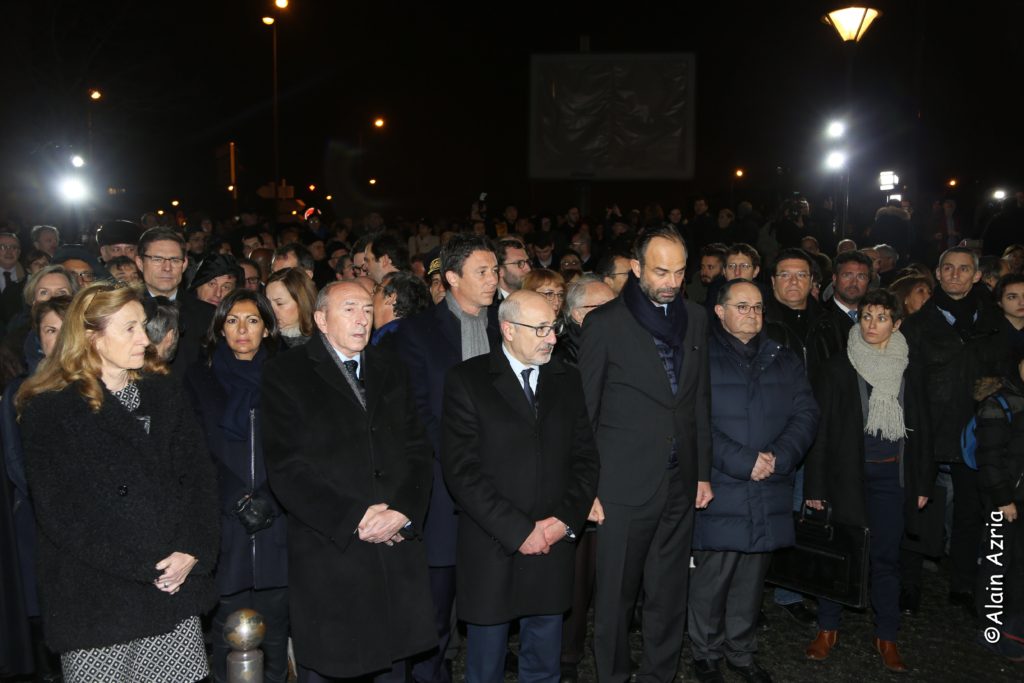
x=890 y=656
x=822 y=645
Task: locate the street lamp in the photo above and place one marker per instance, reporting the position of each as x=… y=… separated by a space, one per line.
x=378 y=123
x=281 y=4
x=739 y=173
x=94 y=94
x=835 y=160
x=999 y=195
x=851 y=23
x=373 y=181
x=272 y=23
x=175 y=202
x=312 y=187
x=952 y=182
x=72 y=189
x=836 y=130
x=77 y=161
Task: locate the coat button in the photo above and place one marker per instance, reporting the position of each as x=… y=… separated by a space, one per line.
x=122 y=490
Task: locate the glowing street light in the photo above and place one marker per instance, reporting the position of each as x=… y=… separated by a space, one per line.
x=312 y=187
x=952 y=182
x=739 y=172
x=269 y=21
x=281 y=4
x=378 y=123
x=1000 y=195
x=231 y=188
x=72 y=189
x=159 y=212
x=329 y=197
x=373 y=181
x=175 y=202
x=835 y=160
x=836 y=130
x=77 y=161
x=95 y=94
x=851 y=23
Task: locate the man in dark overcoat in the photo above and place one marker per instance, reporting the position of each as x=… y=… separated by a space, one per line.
x=519 y=457
x=348 y=461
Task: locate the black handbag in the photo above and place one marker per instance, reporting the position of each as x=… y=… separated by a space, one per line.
x=829 y=560
x=254 y=513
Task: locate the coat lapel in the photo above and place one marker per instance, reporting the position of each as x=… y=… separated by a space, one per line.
x=328 y=370
x=509 y=386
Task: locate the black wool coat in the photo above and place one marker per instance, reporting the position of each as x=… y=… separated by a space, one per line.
x=246 y=561
x=508 y=468
x=356 y=607
x=834 y=470
x=111 y=501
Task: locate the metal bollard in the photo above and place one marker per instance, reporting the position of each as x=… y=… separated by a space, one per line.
x=244 y=631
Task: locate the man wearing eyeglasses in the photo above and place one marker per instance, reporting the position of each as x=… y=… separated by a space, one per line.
x=764 y=418
x=162 y=257
x=513 y=265
x=519 y=458
x=644 y=365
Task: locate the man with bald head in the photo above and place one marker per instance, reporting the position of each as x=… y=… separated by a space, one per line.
x=519 y=459
x=348 y=460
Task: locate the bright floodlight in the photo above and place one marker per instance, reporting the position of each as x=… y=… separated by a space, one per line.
x=77 y=161
x=281 y=4
x=835 y=160
x=999 y=194
x=72 y=189
x=851 y=23
x=269 y=21
x=836 y=129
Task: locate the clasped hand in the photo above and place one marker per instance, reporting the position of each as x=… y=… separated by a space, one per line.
x=175 y=568
x=764 y=467
x=545 y=534
x=381 y=525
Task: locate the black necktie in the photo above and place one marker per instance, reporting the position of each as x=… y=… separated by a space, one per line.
x=352 y=366
x=528 y=390
x=7 y=279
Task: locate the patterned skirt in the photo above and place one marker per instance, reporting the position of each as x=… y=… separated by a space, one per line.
x=175 y=657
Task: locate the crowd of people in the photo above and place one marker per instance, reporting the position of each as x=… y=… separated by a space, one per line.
x=369 y=433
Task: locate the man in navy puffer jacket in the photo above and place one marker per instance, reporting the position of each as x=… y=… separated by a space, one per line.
x=763 y=419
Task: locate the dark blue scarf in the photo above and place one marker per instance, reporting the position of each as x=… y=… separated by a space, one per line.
x=669 y=329
x=241 y=381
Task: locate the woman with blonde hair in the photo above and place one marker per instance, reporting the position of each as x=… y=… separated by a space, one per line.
x=124 y=494
x=549 y=284
x=293 y=298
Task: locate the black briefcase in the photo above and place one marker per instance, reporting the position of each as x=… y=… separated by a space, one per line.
x=829 y=560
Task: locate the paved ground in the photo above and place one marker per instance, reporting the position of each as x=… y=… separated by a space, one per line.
x=938 y=644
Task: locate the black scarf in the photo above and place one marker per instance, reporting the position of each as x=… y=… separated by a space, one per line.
x=241 y=381
x=965 y=311
x=669 y=329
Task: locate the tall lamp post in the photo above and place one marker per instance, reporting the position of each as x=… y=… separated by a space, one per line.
x=272 y=23
x=851 y=23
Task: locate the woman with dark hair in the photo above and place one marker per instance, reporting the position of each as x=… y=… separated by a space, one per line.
x=293 y=298
x=1009 y=296
x=870 y=461
x=127 y=526
x=252 y=570
x=47 y=319
x=163 y=326
x=913 y=292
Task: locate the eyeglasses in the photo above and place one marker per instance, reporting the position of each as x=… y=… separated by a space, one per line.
x=159 y=261
x=739 y=266
x=9 y=247
x=84 y=276
x=521 y=263
x=543 y=330
x=799 y=275
x=860 y=277
x=552 y=295
x=743 y=309
x=252 y=280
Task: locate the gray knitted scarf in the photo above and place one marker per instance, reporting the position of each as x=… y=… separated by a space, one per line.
x=473 y=329
x=883 y=370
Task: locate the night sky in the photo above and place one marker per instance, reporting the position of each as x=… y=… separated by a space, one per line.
x=935 y=94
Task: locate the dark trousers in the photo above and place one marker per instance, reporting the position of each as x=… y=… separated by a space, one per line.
x=272 y=604
x=399 y=673
x=540 y=640
x=431 y=668
x=968 y=528
x=883 y=500
x=648 y=544
x=726 y=589
x=574 y=628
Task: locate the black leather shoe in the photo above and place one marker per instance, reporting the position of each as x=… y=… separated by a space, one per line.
x=752 y=673
x=910 y=601
x=800 y=614
x=707 y=671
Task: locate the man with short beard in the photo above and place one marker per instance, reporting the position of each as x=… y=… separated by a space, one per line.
x=644 y=365
x=850 y=282
x=513 y=265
